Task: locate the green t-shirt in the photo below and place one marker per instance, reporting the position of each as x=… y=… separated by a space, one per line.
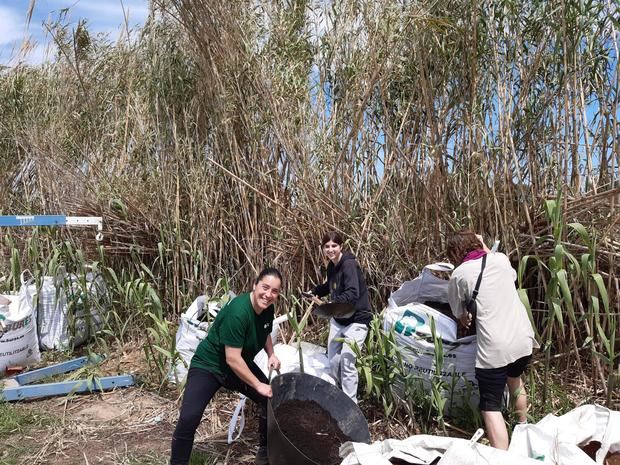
x=236 y=325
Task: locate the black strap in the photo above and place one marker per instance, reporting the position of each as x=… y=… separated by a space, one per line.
x=475 y=293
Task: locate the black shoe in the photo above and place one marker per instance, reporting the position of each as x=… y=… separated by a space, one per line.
x=261 y=456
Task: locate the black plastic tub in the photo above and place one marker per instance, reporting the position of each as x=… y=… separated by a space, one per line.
x=304 y=387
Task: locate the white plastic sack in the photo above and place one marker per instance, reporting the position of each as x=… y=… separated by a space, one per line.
x=426 y=287
x=556 y=440
x=424 y=449
x=191 y=331
x=412 y=329
x=410 y=319
x=314 y=358
x=67 y=314
x=18 y=331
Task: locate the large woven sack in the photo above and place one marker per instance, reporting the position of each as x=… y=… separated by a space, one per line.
x=18 y=331
x=193 y=326
x=412 y=330
x=70 y=310
x=559 y=440
x=410 y=319
x=426 y=287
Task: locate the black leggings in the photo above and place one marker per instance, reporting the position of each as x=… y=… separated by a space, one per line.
x=200 y=388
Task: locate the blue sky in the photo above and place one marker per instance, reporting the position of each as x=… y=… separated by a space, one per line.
x=103 y=16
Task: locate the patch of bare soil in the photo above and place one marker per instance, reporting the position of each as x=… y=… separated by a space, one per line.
x=132 y=425
x=212 y=435
x=109 y=428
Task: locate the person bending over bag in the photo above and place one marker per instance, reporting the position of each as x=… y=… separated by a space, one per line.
x=504 y=333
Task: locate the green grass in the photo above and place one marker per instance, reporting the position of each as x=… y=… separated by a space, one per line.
x=16 y=419
x=17 y=422
x=204 y=458
x=147 y=460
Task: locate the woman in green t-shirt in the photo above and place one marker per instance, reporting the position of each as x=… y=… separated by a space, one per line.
x=225 y=358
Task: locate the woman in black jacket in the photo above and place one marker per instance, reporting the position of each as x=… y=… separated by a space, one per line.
x=345 y=284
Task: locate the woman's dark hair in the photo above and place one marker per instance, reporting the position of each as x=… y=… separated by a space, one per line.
x=460 y=244
x=269 y=271
x=332 y=236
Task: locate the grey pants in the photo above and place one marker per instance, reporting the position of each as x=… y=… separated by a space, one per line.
x=341 y=356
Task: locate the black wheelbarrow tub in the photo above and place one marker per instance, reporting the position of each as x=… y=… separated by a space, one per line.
x=304 y=387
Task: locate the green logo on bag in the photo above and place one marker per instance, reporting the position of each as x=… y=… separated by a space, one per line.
x=16 y=324
x=404 y=327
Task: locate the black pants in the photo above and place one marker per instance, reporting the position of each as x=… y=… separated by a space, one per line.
x=200 y=388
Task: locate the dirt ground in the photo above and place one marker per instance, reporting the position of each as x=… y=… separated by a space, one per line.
x=127 y=426
x=113 y=427
x=133 y=426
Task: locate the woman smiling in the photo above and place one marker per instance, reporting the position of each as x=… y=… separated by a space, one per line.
x=226 y=358
x=345 y=284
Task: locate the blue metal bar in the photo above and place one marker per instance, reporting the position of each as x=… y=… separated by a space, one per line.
x=33 y=220
x=67 y=387
x=64 y=367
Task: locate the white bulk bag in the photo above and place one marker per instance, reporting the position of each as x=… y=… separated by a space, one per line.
x=193 y=326
x=412 y=331
x=62 y=326
x=191 y=331
x=410 y=319
x=424 y=449
x=426 y=287
x=557 y=440
x=18 y=331
x=314 y=357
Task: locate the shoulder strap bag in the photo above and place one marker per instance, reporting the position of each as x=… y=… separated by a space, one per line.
x=471 y=304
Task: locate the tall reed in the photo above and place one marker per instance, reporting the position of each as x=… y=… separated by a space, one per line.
x=223 y=136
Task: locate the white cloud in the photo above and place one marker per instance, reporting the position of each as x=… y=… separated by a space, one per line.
x=24 y=52
x=13 y=27
x=35 y=55
x=136 y=9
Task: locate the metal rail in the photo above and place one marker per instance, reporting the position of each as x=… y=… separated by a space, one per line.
x=53 y=220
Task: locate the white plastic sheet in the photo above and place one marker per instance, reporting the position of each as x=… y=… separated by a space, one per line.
x=553 y=440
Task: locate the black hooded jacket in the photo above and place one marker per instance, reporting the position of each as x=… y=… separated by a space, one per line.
x=345 y=284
